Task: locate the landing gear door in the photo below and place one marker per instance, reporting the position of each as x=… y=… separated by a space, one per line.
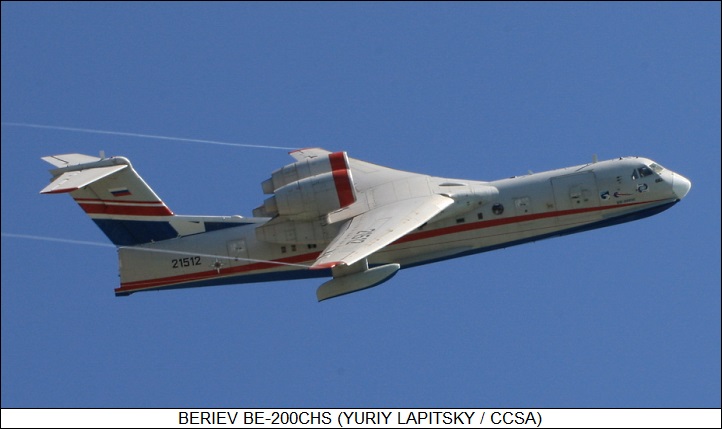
x=576 y=191
x=238 y=251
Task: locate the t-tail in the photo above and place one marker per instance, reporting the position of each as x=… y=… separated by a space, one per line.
x=132 y=216
x=117 y=199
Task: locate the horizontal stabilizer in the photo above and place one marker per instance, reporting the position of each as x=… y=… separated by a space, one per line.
x=74 y=180
x=69 y=159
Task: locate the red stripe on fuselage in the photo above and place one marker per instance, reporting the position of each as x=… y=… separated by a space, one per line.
x=421 y=235
x=342 y=179
x=416 y=236
x=206 y=275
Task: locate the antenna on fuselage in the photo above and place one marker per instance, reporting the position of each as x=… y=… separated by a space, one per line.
x=594 y=159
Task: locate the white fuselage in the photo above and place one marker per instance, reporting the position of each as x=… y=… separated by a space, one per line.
x=505 y=213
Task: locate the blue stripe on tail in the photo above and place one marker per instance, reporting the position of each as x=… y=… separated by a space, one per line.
x=132 y=232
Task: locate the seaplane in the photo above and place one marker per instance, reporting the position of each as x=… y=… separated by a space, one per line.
x=352 y=222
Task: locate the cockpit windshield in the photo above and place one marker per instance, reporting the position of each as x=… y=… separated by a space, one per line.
x=645 y=171
x=656 y=167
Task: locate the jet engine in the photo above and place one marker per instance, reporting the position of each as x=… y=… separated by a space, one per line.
x=308 y=189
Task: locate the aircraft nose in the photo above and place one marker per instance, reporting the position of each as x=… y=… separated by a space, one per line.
x=680 y=185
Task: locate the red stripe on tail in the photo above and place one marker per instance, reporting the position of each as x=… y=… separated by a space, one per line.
x=99 y=207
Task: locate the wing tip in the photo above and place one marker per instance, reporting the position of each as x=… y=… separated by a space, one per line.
x=302 y=149
x=308 y=152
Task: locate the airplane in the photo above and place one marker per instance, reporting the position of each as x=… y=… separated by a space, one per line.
x=329 y=215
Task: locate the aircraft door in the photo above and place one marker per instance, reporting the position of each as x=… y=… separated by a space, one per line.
x=576 y=191
x=237 y=249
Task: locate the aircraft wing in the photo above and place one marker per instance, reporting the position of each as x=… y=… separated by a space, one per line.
x=372 y=205
x=304 y=154
x=369 y=232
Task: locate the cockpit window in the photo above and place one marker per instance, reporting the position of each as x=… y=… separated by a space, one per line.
x=656 y=167
x=645 y=171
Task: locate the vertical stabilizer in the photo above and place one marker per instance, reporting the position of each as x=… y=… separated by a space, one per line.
x=117 y=199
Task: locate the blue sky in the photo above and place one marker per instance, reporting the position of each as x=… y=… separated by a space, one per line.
x=627 y=316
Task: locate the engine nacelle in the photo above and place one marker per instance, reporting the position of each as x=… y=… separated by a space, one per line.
x=306 y=168
x=321 y=185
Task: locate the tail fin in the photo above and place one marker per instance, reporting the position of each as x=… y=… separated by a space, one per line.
x=108 y=189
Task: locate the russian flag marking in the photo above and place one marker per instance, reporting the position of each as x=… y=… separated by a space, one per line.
x=119 y=192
